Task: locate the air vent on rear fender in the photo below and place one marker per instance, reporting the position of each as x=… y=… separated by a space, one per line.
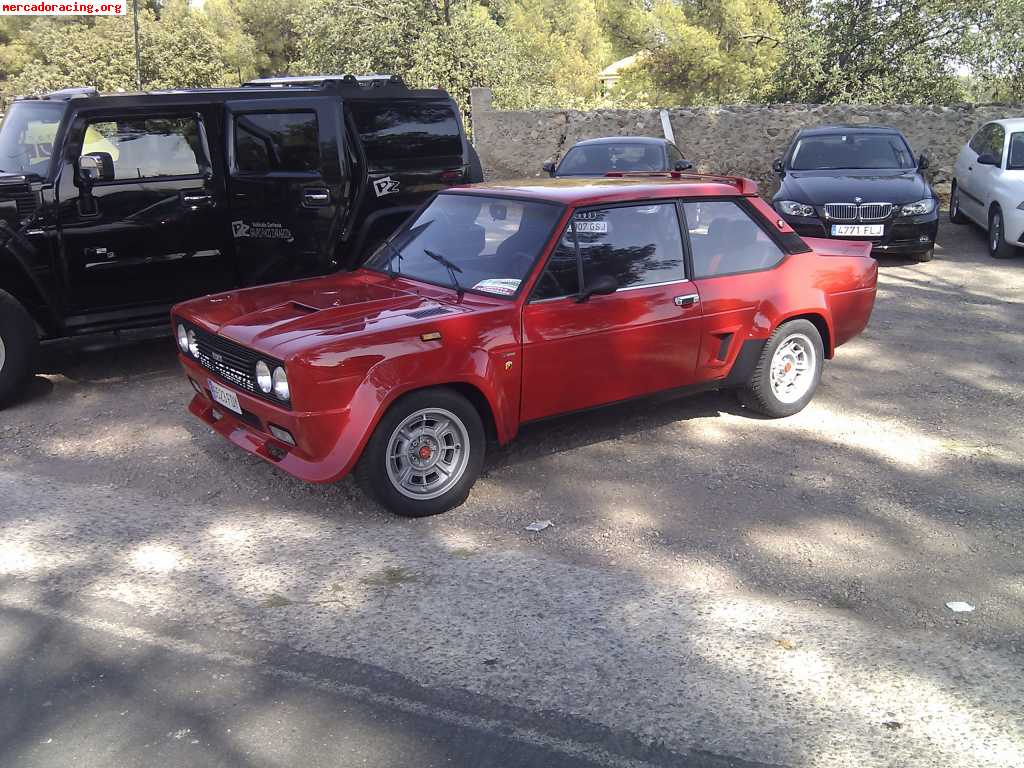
x=419 y=314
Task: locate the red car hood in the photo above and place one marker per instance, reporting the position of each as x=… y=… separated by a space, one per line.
x=270 y=317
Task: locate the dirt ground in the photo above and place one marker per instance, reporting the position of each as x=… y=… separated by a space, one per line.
x=714 y=584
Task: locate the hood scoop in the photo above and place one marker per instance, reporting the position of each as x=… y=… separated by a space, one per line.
x=419 y=314
x=303 y=308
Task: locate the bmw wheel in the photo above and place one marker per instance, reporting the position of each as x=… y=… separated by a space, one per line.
x=955 y=214
x=425 y=454
x=998 y=248
x=788 y=371
x=18 y=345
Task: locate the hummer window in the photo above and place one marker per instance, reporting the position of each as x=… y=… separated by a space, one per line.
x=26 y=138
x=407 y=131
x=277 y=141
x=148 y=148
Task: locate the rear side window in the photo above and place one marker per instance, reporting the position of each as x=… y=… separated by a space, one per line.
x=270 y=142
x=148 y=148
x=637 y=245
x=725 y=240
x=406 y=133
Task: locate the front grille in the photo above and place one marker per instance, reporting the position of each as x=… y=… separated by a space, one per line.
x=855 y=212
x=233 y=363
x=23 y=196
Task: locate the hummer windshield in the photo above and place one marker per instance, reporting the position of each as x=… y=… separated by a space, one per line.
x=27 y=135
x=470 y=242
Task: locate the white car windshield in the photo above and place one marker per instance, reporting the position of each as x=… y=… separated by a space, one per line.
x=470 y=242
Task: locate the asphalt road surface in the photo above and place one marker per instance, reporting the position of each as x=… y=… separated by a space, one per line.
x=718 y=589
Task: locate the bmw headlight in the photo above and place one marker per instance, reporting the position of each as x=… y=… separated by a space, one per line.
x=263 y=378
x=791 y=208
x=182 y=338
x=920 y=208
x=281 y=390
x=193 y=345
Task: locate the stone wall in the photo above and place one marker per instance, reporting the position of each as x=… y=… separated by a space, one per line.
x=742 y=140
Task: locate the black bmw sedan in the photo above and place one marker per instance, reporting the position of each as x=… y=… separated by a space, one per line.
x=858 y=183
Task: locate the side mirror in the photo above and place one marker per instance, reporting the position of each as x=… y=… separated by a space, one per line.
x=778 y=167
x=682 y=165
x=601 y=285
x=95 y=166
x=922 y=162
x=987 y=158
x=549 y=167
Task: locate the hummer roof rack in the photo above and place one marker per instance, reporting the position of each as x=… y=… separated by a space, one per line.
x=743 y=185
x=65 y=94
x=305 y=81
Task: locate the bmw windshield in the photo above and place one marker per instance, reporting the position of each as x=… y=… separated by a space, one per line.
x=851 y=151
x=470 y=242
x=27 y=135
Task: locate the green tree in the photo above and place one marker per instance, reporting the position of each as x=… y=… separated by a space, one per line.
x=996 y=53
x=874 y=51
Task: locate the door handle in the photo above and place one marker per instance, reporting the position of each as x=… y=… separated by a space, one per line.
x=316 y=198
x=687 y=300
x=196 y=200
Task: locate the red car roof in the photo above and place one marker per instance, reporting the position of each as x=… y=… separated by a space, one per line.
x=588 y=190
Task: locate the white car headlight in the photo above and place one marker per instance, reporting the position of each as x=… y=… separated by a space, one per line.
x=263 y=378
x=281 y=390
x=193 y=345
x=182 y=338
x=791 y=208
x=920 y=208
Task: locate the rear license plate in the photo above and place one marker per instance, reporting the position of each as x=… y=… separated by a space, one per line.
x=225 y=397
x=857 y=230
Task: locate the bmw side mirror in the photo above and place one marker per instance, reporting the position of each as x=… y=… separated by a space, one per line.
x=601 y=285
x=682 y=165
x=987 y=158
x=778 y=167
x=549 y=167
x=922 y=162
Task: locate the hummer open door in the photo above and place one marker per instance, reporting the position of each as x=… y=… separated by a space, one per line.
x=288 y=185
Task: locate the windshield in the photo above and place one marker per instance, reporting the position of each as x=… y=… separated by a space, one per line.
x=487 y=244
x=27 y=135
x=851 y=150
x=599 y=159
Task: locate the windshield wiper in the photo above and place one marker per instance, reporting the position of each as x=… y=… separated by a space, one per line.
x=392 y=272
x=452 y=269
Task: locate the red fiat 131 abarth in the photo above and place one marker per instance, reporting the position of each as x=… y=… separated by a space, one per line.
x=500 y=304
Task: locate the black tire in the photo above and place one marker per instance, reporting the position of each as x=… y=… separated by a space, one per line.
x=758 y=395
x=923 y=256
x=955 y=214
x=19 y=344
x=373 y=475
x=998 y=248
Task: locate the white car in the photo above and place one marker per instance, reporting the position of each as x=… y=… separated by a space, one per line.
x=988 y=185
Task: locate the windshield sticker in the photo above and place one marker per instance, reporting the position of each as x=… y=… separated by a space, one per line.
x=503 y=286
x=262 y=230
x=386 y=186
x=592 y=227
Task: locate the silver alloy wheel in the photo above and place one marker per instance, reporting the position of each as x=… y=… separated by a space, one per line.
x=3 y=353
x=428 y=453
x=996 y=231
x=793 y=367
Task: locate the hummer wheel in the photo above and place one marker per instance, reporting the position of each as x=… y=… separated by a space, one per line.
x=18 y=345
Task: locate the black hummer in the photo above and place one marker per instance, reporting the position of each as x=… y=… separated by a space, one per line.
x=114 y=207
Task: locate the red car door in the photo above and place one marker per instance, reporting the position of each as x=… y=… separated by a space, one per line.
x=642 y=338
x=732 y=255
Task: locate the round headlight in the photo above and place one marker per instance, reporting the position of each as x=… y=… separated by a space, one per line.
x=182 y=338
x=263 y=378
x=281 y=384
x=193 y=345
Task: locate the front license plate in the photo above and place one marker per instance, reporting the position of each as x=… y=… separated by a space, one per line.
x=225 y=397
x=857 y=230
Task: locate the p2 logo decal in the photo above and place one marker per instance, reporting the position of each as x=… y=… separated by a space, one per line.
x=386 y=186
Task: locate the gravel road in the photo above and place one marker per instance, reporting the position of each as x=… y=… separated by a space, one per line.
x=718 y=589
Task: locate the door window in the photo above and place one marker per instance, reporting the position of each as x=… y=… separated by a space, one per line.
x=977 y=143
x=148 y=148
x=1015 y=161
x=725 y=240
x=637 y=245
x=270 y=142
x=674 y=156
